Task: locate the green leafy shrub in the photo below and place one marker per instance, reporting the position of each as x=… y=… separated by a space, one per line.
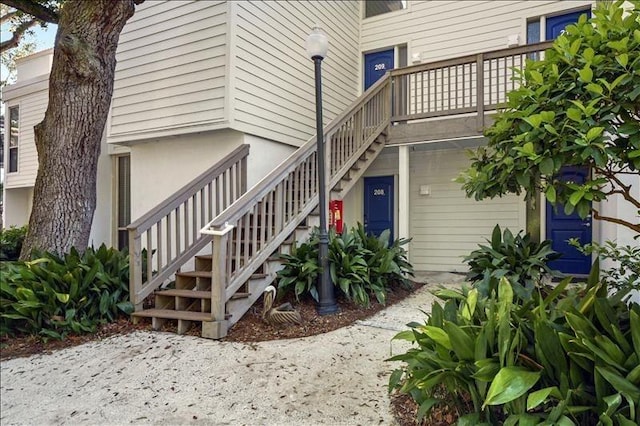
x=52 y=295
x=522 y=261
x=624 y=276
x=570 y=358
x=360 y=265
x=301 y=269
x=11 y=240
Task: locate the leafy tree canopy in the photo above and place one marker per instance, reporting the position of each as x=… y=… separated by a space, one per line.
x=16 y=19
x=577 y=106
x=21 y=16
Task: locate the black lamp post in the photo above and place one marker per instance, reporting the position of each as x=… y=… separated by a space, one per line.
x=317 y=46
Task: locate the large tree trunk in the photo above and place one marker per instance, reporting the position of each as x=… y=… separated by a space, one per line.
x=68 y=139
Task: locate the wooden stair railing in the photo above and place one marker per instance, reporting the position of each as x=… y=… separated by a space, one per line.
x=284 y=198
x=166 y=237
x=451 y=87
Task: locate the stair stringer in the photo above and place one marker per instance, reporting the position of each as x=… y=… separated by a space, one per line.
x=357 y=170
x=237 y=308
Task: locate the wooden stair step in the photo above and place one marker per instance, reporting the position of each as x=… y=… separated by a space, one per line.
x=170 y=314
x=194 y=294
x=196 y=274
x=207 y=274
x=202 y=294
x=258 y=276
x=240 y=296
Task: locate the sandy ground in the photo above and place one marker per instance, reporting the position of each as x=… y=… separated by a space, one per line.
x=337 y=378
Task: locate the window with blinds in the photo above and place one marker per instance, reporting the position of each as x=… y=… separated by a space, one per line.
x=14 y=132
x=123 y=213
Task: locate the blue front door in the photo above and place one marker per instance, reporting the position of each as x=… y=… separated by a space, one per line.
x=375 y=65
x=378 y=205
x=557 y=24
x=561 y=227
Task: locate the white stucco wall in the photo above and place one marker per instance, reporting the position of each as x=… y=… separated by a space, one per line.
x=102 y=217
x=264 y=156
x=161 y=167
x=17 y=206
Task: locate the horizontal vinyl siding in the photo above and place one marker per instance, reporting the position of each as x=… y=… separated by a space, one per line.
x=273 y=77
x=171 y=68
x=445 y=29
x=446 y=225
x=32 y=110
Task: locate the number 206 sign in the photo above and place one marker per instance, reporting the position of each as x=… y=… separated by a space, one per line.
x=379 y=192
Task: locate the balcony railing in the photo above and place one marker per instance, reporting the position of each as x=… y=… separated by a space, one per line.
x=452 y=87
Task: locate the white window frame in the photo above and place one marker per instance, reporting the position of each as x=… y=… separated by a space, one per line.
x=363 y=11
x=116 y=197
x=9 y=148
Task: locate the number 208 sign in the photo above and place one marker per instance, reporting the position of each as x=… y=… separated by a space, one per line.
x=379 y=192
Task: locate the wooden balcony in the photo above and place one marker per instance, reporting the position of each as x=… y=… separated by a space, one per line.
x=454 y=98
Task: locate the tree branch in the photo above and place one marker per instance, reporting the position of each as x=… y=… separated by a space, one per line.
x=34 y=9
x=7 y=17
x=626 y=192
x=635 y=227
x=626 y=189
x=17 y=35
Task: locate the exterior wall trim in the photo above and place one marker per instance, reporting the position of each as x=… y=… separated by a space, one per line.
x=230 y=66
x=139 y=137
x=25 y=88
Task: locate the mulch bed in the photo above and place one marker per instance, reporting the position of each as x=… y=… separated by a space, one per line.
x=251 y=328
x=405 y=410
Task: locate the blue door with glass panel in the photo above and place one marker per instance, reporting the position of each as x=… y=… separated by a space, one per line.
x=562 y=227
x=557 y=24
x=375 y=65
x=378 y=205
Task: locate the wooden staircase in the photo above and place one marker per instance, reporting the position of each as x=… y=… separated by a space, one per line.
x=248 y=235
x=189 y=302
x=244 y=230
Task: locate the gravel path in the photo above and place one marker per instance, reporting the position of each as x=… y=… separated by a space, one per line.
x=337 y=378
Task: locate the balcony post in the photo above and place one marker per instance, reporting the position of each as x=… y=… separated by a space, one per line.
x=480 y=91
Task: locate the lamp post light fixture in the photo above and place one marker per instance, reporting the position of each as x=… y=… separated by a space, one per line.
x=317 y=46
